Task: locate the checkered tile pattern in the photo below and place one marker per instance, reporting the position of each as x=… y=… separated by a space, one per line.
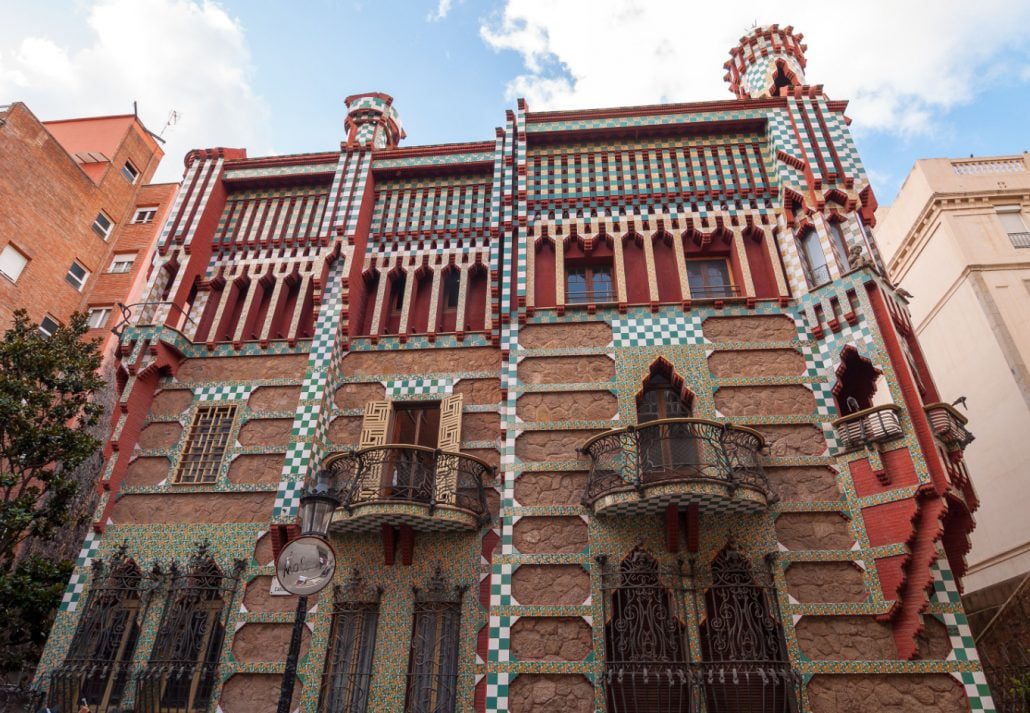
x=223 y=392
x=418 y=387
x=657 y=331
x=77 y=582
x=945 y=592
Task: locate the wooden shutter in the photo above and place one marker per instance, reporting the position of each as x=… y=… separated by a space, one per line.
x=448 y=439
x=375 y=431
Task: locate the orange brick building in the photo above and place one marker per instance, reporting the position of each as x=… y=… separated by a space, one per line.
x=79 y=219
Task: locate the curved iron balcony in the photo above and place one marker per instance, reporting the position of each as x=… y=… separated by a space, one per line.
x=871 y=425
x=399 y=484
x=643 y=469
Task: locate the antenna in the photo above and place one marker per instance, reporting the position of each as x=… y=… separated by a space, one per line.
x=173 y=119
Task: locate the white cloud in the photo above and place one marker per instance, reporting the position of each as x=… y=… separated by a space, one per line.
x=900 y=64
x=443 y=7
x=186 y=55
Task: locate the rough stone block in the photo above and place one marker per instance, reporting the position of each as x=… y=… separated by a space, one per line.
x=479 y=392
x=356 y=396
x=550 y=584
x=274 y=398
x=550 y=693
x=845 y=638
x=826 y=582
x=257 y=469
x=159 y=436
x=550 y=488
x=539 y=446
x=257 y=598
x=243 y=368
x=259 y=643
x=551 y=639
x=814 y=531
x=799 y=439
x=171 y=402
x=266 y=432
x=568 y=406
x=803 y=483
x=147 y=471
x=562 y=336
x=770 y=328
x=533 y=535
x=756 y=362
x=256 y=693
x=789 y=400
x=908 y=693
x=566 y=369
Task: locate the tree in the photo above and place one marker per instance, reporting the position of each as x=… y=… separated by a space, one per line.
x=48 y=409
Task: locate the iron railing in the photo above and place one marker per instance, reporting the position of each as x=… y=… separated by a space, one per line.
x=714 y=292
x=671 y=450
x=871 y=425
x=413 y=474
x=818 y=276
x=1020 y=240
x=590 y=296
x=347 y=677
x=432 y=680
x=949 y=425
x=650 y=611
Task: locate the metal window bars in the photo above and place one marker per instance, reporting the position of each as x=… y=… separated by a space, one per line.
x=650 y=611
x=432 y=679
x=346 y=678
x=206 y=445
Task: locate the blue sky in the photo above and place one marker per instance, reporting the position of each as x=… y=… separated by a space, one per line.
x=926 y=79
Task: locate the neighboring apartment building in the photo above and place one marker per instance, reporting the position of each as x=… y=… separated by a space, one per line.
x=79 y=220
x=958 y=239
x=624 y=416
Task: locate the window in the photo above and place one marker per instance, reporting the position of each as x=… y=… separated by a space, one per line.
x=77 y=276
x=97 y=668
x=812 y=254
x=102 y=225
x=409 y=473
x=183 y=667
x=397 y=293
x=48 y=325
x=122 y=262
x=709 y=279
x=433 y=661
x=666 y=449
x=144 y=215
x=130 y=172
x=12 y=262
x=588 y=284
x=451 y=289
x=840 y=245
x=347 y=674
x=1012 y=222
x=98 y=317
x=206 y=444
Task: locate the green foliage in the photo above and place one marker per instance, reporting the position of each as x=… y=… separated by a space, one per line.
x=47 y=412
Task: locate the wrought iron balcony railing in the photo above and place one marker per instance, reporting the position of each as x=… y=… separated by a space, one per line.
x=949 y=425
x=644 y=468
x=590 y=296
x=103 y=685
x=427 y=488
x=871 y=425
x=714 y=292
x=175 y=687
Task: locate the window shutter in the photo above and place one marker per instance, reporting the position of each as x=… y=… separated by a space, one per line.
x=375 y=431
x=448 y=439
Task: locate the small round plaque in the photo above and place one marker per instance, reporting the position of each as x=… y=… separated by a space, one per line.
x=305 y=565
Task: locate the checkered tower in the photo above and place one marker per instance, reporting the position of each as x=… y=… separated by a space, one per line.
x=372 y=121
x=765 y=61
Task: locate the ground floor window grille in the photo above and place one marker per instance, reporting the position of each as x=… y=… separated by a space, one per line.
x=650 y=610
x=182 y=672
x=348 y=665
x=97 y=669
x=433 y=661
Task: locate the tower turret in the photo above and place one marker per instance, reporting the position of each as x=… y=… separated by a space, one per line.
x=765 y=61
x=372 y=121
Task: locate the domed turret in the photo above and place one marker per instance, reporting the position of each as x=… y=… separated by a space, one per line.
x=372 y=121
x=766 y=61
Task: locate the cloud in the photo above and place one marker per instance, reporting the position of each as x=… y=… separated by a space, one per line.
x=901 y=64
x=190 y=56
x=443 y=7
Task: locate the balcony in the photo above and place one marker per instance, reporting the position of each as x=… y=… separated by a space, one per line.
x=428 y=489
x=949 y=425
x=643 y=469
x=869 y=426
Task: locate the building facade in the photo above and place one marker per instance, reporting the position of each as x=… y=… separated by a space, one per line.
x=958 y=239
x=626 y=419
x=80 y=219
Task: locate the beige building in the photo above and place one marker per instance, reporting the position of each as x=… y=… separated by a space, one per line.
x=958 y=239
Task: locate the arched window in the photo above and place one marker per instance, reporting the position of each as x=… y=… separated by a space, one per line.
x=839 y=244
x=666 y=449
x=816 y=269
x=96 y=669
x=647 y=650
x=663 y=395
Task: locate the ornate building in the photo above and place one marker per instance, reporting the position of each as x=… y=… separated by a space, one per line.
x=626 y=417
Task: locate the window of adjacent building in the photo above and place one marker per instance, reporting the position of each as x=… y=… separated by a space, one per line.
x=709 y=278
x=98 y=316
x=48 y=325
x=144 y=215
x=433 y=660
x=206 y=445
x=130 y=172
x=588 y=283
x=102 y=225
x=12 y=262
x=77 y=276
x=815 y=259
x=347 y=675
x=1014 y=225
x=122 y=262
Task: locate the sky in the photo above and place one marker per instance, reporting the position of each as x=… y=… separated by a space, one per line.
x=924 y=79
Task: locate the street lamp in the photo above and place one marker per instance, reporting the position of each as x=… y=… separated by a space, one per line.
x=306 y=565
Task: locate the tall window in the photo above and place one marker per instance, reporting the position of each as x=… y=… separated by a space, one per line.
x=183 y=666
x=709 y=279
x=347 y=674
x=12 y=262
x=96 y=669
x=666 y=450
x=451 y=289
x=1012 y=221
x=130 y=172
x=77 y=275
x=206 y=444
x=818 y=272
x=102 y=225
x=410 y=473
x=840 y=245
x=433 y=661
x=397 y=293
x=588 y=283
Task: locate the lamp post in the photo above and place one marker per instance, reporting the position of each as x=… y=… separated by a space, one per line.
x=305 y=566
